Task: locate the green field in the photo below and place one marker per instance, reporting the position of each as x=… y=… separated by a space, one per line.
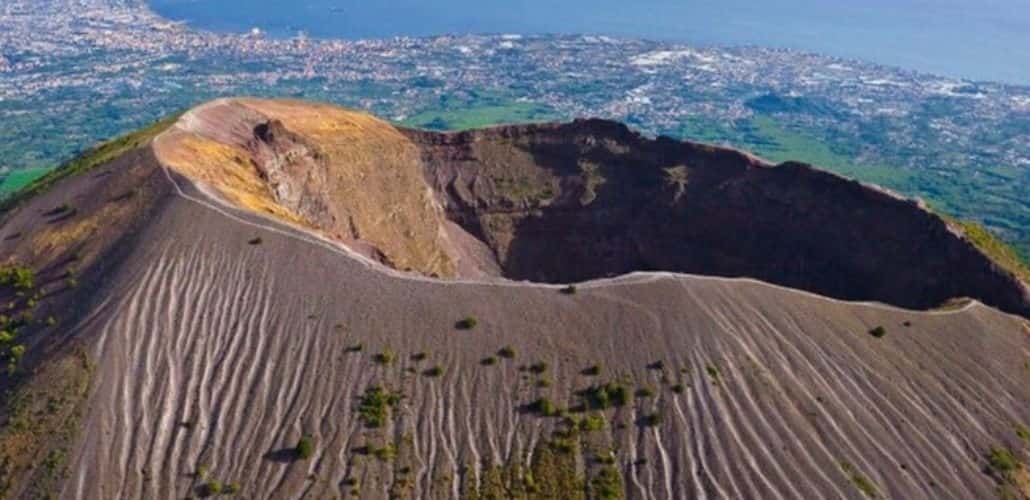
x=479 y=116
x=17 y=179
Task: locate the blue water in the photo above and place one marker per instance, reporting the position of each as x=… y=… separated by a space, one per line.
x=978 y=39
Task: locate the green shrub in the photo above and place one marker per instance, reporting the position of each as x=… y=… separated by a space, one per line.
x=569 y=290
x=713 y=372
x=605 y=396
x=543 y=407
x=506 y=352
x=386 y=357
x=385 y=453
x=17 y=352
x=213 y=487
x=305 y=448
x=678 y=388
x=878 y=332
x=233 y=488
x=375 y=404
x=1002 y=462
x=467 y=323
x=592 y=371
x=607 y=485
x=861 y=482
x=543 y=383
x=645 y=392
x=418 y=357
x=538 y=368
x=1023 y=432
x=592 y=423
x=435 y=371
x=18 y=277
x=488 y=361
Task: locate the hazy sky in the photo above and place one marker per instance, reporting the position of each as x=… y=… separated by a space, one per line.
x=984 y=39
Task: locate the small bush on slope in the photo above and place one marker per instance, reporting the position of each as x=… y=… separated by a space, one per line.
x=305 y=448
x=375 y=405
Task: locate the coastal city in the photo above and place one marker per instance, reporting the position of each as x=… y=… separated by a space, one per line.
x=74 y=72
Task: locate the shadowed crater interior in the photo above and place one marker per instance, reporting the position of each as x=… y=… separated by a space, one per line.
x=592 y=199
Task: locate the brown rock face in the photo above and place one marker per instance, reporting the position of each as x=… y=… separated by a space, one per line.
x=566 y=203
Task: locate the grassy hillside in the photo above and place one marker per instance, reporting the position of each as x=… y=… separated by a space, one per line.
x=99 y=155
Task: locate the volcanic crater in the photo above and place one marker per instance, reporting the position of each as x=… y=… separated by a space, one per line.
x=565 y=203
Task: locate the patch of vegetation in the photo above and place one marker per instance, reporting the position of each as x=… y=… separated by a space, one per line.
x=1023 y=432
x=555 y=473
x=18 y=179
x=860 y=481
x=212 y=488
x=435 y=371
x=1002 y=462
x=374 y=407
x=93 y=158
x=678 y=388
x=418 y=357
x=305 y=447
x=569 y=290
x=713 y=373
x=255 y=241
x=592 y=423
x=387 y=357
x=543 y=383
x=467 y=323
x=384 y=453
x=607 y=484
x=605 y=396
x=591 y=371
x=1000 y=252
x=506 y=352
x=543 y=407
x=488 y=361
x=42 y=415
x=878 y=332
x=538 y=368
x=18 y=277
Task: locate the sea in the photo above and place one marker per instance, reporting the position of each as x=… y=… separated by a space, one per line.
x=974 y=39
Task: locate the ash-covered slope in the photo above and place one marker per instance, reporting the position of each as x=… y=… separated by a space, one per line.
x=206 y=316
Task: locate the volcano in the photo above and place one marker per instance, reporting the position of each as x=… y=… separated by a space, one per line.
x=286 y=299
